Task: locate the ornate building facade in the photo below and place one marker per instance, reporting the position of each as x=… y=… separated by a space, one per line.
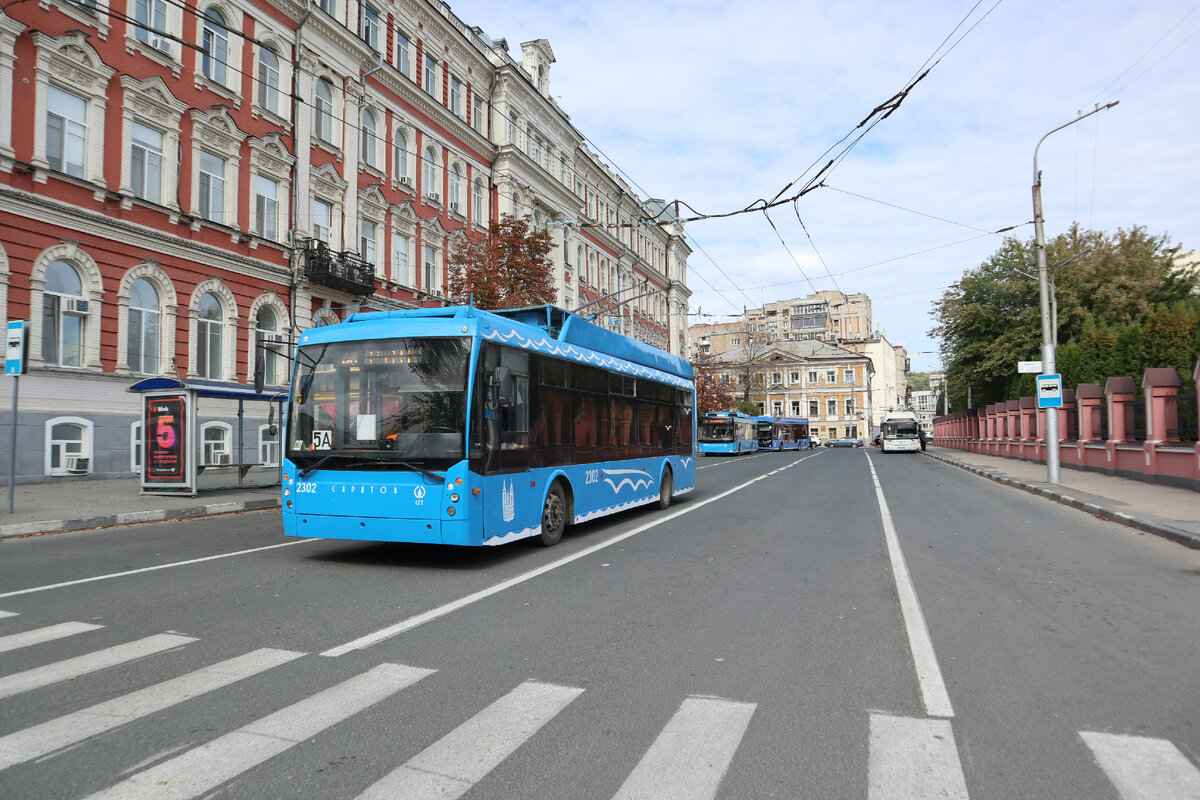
x=182 y=184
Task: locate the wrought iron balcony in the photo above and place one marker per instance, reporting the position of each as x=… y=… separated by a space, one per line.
x=342 y=271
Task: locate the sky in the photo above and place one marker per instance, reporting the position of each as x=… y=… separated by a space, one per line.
x=721 y=104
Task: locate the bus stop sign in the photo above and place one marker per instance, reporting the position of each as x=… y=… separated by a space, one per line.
x=1049 y=391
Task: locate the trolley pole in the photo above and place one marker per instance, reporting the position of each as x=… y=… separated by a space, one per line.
x=1049 y=366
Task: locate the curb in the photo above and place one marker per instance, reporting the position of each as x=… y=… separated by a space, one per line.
x=1186 y=538
x=132 y=517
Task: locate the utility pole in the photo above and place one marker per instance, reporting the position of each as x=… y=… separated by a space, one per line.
x=1049 y=366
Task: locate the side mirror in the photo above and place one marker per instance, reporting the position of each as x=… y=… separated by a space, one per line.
x=260 y=369
x=502 y=382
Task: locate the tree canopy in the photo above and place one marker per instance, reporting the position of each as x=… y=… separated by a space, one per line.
x=713 y=393
x=508 y=268
x=1113 y=283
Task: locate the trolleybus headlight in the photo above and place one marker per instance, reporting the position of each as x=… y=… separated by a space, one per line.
x=454 y=497
x=287 y=492
x=289 y=503
x=450 y=511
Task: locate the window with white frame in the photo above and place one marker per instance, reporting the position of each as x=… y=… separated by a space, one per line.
x=400 y=158
x=210 y=333
x=456 y=98
x=776 y=377
x=266 y=207
x=64 y=315
x=268 y=80
x=735 y=341
x=214 y=43
x=430 y=75
x=266 y=332
x=214 y=440
x=135 y=448
x=212 y=187
x=403 y=54
x=68 y=446
x=370 y=26
x=146 y=162
x=456 y=187
x=370 y=138
x=795 y=408
x=848 y=376
x=429 y=178
x=831 y=408
x=368 y=231
x=431 y=279
x=322 y=220
x=850 y=407
x=268 y=445
x=145 y=327
x=66 y=131
x=477 y=116
x=478 y=213
x=151 y=19
x=812 y=376
x=831 y=376
x=323 y=111
x=814 y=408
x=328 y=6
x=794 y=377
x=402 y=268
x=777 y=408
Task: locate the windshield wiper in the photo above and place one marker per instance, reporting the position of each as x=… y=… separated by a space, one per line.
x=369 y=458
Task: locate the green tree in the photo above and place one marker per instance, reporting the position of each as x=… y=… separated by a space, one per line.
x=508 y=268
x=1129 y=354
x=1167 y=338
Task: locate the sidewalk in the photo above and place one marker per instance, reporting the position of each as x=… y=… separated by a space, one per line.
x=77 y=505
x=1166 y=511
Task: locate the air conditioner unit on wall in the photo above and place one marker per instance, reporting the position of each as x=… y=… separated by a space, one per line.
x=406 y=181
x=455 y=208
x=76 y=465
x=75 y=305
x=160 y=43
x=434 y=197
x=223 y=458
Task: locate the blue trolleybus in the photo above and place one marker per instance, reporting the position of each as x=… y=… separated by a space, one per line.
x=764 y=428
x=470 y=427
x=727 y=432
x=787 y=433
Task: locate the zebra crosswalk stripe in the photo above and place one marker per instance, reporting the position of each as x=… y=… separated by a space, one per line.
x=92 y=662
x=203 y=768
x=912 y=759
x=689 y=758
x=452 y=765
x=1142 y=768
x=16 y=641
x=56 y=734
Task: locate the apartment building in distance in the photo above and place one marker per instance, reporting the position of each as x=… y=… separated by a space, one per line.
x=183 y=184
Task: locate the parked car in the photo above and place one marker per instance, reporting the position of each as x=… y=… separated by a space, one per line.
x=844 y=441
x=816 y=440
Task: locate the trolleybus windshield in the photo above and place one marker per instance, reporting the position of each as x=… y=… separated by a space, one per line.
x=380 y=404
x=714 y=430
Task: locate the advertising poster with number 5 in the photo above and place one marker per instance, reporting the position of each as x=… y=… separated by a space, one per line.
x=164 y=440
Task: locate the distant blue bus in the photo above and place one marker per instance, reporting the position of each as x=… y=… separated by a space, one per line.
x=470 y=427
x=727 y=433
x=783 y=433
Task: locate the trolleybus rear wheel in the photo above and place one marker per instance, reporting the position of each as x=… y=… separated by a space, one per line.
x=666 y=488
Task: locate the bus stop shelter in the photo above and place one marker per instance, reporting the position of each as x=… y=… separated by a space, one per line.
x=171 y=448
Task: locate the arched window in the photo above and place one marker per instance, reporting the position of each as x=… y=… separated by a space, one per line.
x=210 y=329
x=215 y=44
x=478 y=212
x=145 y=324
x=214 y=441
x=455 y=180
x=323 y=111
x=265 y=335
x=63 y=313
x=430 y=176
x=370 y=138
x=400 y=157
x=68 y=446
x=268 y=80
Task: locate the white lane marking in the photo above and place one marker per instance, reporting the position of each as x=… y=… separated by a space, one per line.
x=1142 y=768
x=92 y=662
x=689 y=758
x=27 y=638
x=451 y=766
x=725 y=461
x=929 y=674
x=203 y=768
x=152 y=569
x=4 y=614
x=56 y=734
x=913 y=759
x=454 y=605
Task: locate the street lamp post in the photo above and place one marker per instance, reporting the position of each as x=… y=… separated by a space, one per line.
x=1049 y=338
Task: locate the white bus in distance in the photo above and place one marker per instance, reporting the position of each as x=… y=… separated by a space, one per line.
x=900 y=432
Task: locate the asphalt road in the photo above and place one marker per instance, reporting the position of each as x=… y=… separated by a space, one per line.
x=827 y=624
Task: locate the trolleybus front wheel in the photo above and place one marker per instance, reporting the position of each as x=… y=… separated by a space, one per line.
x=554 y=516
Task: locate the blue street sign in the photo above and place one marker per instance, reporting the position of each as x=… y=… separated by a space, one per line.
x=14 y=352
x=1049 y=391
